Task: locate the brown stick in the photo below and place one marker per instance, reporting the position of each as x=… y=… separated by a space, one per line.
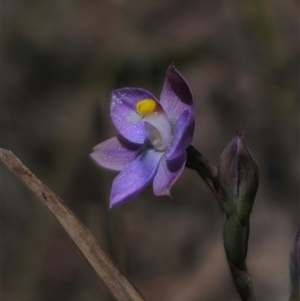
x=113 y=279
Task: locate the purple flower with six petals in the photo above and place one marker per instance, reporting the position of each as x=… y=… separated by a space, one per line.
x=153 y=137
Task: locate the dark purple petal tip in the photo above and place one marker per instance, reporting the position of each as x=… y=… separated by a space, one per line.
x=176 y=95
x=178 y=84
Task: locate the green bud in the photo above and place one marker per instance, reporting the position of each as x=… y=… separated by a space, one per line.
x=235 y=240
x=238 y=175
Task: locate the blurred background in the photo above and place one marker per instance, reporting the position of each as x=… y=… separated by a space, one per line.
x=61 y=59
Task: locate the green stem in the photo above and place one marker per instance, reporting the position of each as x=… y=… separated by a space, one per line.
x=235 y=232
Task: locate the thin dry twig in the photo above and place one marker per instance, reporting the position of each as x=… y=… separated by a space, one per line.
x=112 y=277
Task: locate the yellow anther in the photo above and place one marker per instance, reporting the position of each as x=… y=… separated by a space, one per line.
x=146 y=106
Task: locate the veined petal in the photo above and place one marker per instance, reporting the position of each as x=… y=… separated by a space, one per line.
x=183 y=131
x=176 y=95
x=167 y=173
x=115 y=153
x=124 y=115
x=135 y=177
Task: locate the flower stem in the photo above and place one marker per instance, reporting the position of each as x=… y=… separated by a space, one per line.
x=206 y=170
x=235 y=229
x=295 y=268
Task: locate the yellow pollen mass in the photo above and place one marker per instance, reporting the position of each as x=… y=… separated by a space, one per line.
x=146 y=106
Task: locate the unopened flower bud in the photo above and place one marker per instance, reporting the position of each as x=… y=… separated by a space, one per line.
x=238 y=174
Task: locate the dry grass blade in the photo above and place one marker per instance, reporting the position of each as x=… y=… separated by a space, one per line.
x=114 y=280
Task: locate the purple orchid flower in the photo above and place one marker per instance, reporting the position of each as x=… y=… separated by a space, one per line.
x=153 y=137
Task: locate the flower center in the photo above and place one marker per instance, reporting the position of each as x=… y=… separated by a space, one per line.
x=146 y=106
x=157 y=124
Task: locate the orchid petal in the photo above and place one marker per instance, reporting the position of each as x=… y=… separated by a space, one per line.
x=176 y=95
x=115 y=153
x=167 y=173
x=135 y=177
x=124 y=115
x=182 y=134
